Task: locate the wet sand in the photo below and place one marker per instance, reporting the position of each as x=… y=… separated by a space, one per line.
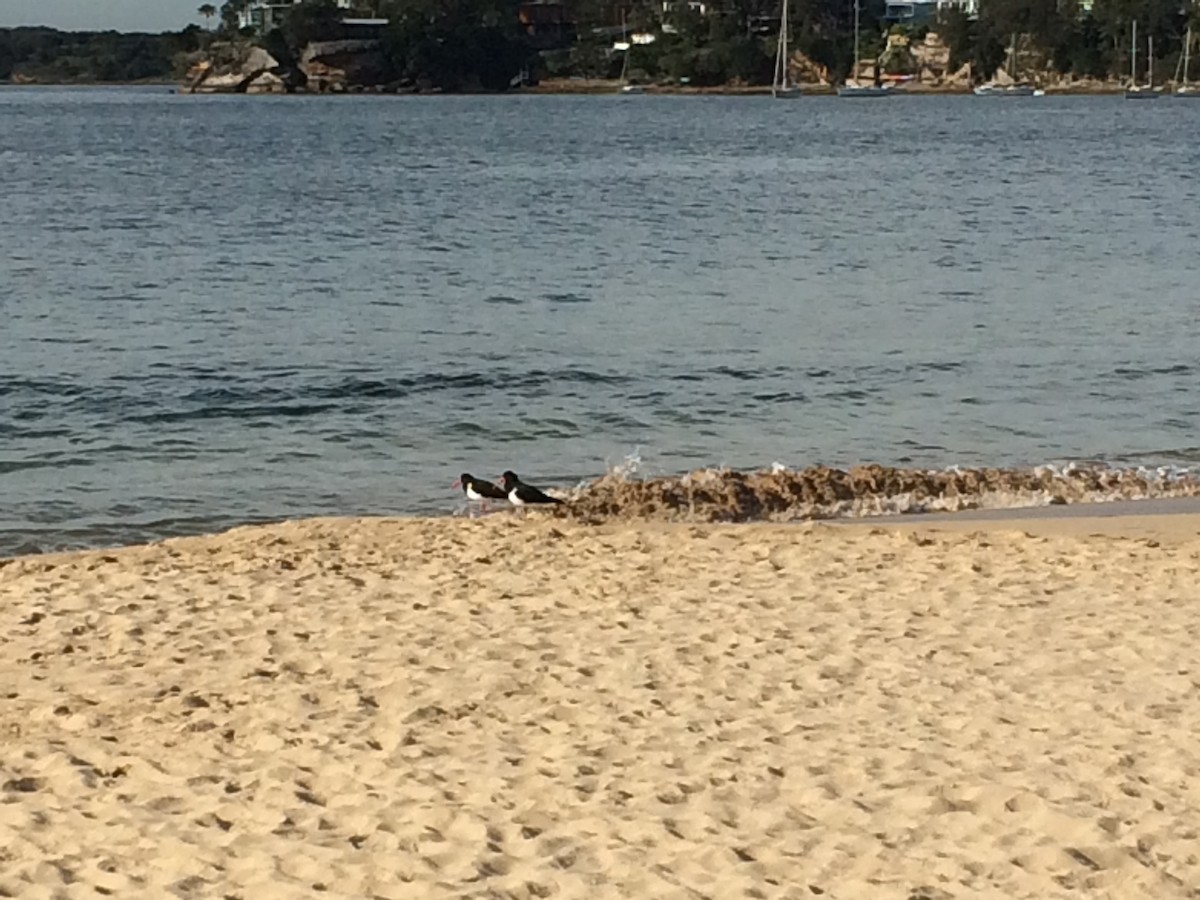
x=500 y=708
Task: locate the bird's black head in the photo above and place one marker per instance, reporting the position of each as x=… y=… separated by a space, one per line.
x=464 y=480
x=509 y=480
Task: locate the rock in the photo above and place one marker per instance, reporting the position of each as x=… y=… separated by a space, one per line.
x=267 y=83
x=234 y=68
x=806 y=70
x=340 y=66
x=932 y=58
x=963 y=76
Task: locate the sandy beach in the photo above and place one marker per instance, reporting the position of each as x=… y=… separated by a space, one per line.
x=501 y=708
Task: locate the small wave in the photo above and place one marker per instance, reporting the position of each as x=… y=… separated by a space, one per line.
x=14 y=385
x=218 y=396
x=779 y=494
x=848 y=394
x=1178 y=454
x=466 y=428
x=781 y=397
x=8 y=467
x=1127 y=373
x=281 y=411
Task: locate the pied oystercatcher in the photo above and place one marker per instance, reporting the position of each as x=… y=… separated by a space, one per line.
x=479 y=490
x=521 y=494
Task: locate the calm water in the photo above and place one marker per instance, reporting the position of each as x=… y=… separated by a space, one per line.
x=216 y=310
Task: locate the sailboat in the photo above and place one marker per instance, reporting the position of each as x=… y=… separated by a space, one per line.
x=1137 y=91
x=782 y=86
x=854 y=88
x=1016 y=89
x=1187 y=89
x=626 y=87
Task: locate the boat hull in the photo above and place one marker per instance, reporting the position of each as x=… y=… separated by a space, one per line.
x=791 y=92
x=1000 y=90
x=1142 y=95
x=864 y=92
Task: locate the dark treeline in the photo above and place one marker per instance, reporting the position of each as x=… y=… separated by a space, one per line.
x=1067 y=40
x=68 y=57
x=481 y=44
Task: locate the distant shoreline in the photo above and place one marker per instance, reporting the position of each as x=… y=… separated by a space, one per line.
x=583 y=86
x=89 y=84
x=578 y=87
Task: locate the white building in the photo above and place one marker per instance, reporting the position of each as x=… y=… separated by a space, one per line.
x=696 y=6
x=923 y=12
x=263 y=15
x=970 y=7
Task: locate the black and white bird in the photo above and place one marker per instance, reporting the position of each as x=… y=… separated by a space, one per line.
x=478 y=490
x=521 y=494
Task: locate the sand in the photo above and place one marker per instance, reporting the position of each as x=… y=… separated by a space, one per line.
x=504 y=708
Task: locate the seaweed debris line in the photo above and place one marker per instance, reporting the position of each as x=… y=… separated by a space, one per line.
x=820 y=492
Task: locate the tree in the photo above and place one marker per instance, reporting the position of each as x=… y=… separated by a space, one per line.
x=686 y=21
x=6 y=56
x=230 y=10
x=208 y=11
x=313 y=20
x=958 y=32
x=456 y=44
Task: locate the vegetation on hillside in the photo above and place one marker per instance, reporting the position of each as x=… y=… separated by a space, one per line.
x=1067 y=39
x=478 y=44
x=80 y=57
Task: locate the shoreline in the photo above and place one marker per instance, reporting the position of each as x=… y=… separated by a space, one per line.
x=1176 y=519
x=584 y=88
x=1172 y=515
x=567 y=86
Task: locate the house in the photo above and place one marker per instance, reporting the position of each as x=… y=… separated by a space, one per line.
x=263 y=15
x=970 y=7
x=700 y=7
x=910 y=12
x=547 y=24
x=696 y=7
x=922 y=12
x=364 y=29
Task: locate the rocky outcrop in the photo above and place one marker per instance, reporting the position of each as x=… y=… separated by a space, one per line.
x=338 y=66
x=240 y=69
x=963 y=77
x=324 y=66
x=805 y=70
x=931 y=56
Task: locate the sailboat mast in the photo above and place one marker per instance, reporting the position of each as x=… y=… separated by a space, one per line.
x=856 y=14
x=1133 y=56
x=1187 y=54
x=781 y=53
x=1149 y=61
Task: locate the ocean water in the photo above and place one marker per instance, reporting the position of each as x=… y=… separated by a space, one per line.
x=224 y=309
